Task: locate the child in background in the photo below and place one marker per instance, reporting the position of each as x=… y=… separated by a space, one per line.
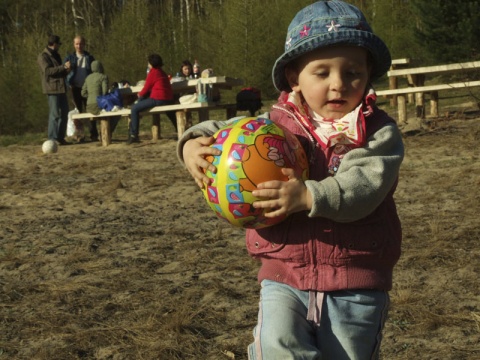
x=186 y=69
x=326 y=270
x=95 y=84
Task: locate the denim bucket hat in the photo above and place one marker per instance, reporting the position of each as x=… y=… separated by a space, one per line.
x=326 y=23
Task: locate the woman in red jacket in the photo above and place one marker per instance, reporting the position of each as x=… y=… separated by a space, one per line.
x=157 y=91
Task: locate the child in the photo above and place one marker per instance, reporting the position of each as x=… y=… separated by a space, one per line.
x=95 y=84
x=186 y=69
x=327 y=268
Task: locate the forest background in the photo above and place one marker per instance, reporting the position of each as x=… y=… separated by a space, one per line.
x=238 y=38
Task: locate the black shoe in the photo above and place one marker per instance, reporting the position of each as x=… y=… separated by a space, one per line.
x=133 y=139
x=62 y=142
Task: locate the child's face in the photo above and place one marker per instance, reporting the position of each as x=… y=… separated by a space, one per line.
x=186 y=70
x=332 y=80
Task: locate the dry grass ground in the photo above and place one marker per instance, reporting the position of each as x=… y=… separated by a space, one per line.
x=112 y=253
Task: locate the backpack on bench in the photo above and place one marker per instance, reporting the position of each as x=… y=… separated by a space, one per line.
x=249 y=99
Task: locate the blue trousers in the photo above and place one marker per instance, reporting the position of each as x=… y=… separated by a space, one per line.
x=57 y=116
x=145 y=104
x=338 y=325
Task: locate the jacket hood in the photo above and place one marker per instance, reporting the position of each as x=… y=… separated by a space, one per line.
x=97 y=67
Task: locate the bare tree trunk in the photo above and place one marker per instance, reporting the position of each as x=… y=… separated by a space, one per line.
x=74 y=14
x=187 y=11
x=2 y=49
x=182 y=25
x=174 y=34
x=65 y=16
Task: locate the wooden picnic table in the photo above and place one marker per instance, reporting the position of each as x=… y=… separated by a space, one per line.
x=220 y=82
x=182 y=111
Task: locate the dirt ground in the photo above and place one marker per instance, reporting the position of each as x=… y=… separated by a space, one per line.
x=112 y=253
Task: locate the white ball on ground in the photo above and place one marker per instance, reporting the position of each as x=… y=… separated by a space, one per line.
x=50 y=147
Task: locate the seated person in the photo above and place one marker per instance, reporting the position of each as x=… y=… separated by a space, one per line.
x=120 y=85
x=96 y=84
x=186 y=69
x=156 y=91
x=127 y=98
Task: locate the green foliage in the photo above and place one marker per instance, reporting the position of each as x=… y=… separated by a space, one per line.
x=240 y=38
x=26 y=138
x=394 y=22
x=20 y=87
x=450 y=29
x=250 y=37
x=128 y=44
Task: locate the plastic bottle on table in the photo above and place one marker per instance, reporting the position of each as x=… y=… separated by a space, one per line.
x=196 y=70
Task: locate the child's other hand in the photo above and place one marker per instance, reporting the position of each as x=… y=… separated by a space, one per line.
x=194 y=153
x=283 y=197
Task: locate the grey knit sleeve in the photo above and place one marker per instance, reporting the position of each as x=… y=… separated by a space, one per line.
x=205 y=128
x=363 y=180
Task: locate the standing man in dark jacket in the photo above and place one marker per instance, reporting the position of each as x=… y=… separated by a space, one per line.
x=53 y=74
x=81 y=67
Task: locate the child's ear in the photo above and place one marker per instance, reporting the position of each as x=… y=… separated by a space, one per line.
x=291 y=74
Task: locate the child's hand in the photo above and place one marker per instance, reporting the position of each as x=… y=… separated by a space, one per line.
x=283 y=197
x=194 y=153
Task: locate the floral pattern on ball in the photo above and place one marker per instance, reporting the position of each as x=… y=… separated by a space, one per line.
x=254 y=150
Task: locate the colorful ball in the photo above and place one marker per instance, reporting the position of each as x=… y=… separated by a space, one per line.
x=254 y=150
x=49 y=147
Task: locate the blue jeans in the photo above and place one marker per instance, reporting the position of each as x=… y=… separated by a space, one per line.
x=341 y=325
x=57 y=116
x=145 y=104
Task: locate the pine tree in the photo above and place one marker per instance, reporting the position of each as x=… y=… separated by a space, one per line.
x=448 y=29
x=390 y=21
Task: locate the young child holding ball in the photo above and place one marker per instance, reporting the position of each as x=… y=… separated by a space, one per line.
x=326 y=270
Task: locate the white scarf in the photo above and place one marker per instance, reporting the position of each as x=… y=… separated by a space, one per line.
x=349 y=130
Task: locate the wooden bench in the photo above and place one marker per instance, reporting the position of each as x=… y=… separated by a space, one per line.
x=471 y=65
x=104 y=118
x=431 y=89
x=393 y=80
x=417 y=89
x=181 y=111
